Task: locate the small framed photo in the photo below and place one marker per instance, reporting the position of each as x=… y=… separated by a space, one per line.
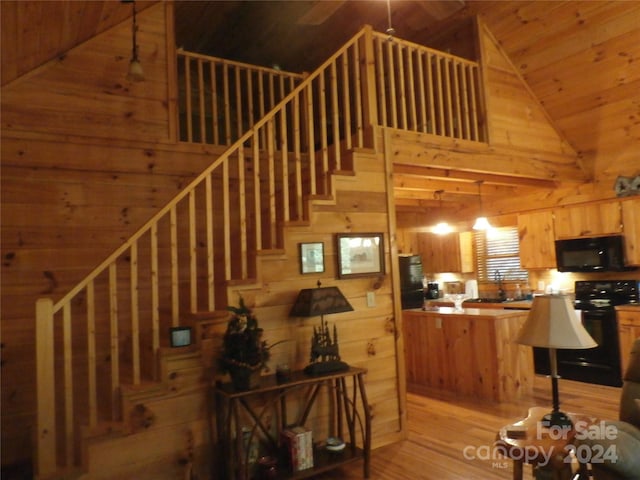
x=311 y=257
x=360 y=254
x=180 y=336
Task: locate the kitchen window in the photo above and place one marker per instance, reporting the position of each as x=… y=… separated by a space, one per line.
x=498 y=256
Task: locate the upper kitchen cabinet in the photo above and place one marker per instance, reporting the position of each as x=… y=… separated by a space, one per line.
x=536 y=234
x=631 y=222
x=446 y=253
x=589 y=220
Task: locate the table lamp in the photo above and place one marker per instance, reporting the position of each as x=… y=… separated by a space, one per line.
x=552 y=323
x=311 y=302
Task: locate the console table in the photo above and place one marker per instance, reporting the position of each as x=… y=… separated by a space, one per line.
x=348 y=413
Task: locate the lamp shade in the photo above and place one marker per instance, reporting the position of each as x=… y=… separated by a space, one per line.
x=312 y=302
x=553 y=323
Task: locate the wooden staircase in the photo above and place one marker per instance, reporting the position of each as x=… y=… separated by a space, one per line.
x=105 y=404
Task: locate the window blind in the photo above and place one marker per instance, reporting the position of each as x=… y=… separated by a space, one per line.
x=498 y=255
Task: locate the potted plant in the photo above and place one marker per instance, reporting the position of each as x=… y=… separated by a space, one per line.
x=244 y=352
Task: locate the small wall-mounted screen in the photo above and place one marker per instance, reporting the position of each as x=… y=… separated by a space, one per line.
x=180 y=336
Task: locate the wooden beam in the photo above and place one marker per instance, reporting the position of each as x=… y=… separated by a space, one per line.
x=428 y=150
x=450 y=174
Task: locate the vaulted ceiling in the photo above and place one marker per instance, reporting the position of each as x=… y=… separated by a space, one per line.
x=581 y=59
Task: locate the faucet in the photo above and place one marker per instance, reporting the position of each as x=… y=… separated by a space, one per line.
x=502 y=295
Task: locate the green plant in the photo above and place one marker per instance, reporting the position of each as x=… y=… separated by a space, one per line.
x=243 y=345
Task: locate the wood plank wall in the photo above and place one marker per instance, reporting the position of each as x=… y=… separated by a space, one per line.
x=87 y=157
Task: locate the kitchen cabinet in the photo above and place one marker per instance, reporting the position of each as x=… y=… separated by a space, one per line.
x=628 y=331
x=589 y=220
x=446 y=253
x=631 y=222
x=471 y=352
x=536 y=233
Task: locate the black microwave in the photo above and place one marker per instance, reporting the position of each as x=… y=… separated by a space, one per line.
x=594 y=254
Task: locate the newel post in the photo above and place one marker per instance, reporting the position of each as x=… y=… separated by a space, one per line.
x=369 y=95
x=45 y=461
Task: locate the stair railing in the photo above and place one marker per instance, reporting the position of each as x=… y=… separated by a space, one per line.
x=107 y=330
x=184 y=257
x=220 y=99
x=424 y=90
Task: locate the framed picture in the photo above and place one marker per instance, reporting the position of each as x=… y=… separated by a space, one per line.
x=311 y=257
x=360 y=254
x=180 y=336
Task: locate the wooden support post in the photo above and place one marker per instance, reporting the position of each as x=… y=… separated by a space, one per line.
x=45 y=462
x=369 y=96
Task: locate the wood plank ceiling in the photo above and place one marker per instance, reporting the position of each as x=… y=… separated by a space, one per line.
x=556 y=45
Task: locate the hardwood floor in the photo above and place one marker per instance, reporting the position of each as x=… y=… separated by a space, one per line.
x=441 y=427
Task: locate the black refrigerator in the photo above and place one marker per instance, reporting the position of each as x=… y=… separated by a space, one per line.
x=411 y=275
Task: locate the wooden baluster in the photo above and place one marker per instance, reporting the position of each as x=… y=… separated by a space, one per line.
x=227 y=104
x=322 y=109
x=457 y=94
x=311 y=141
x=67 y=350
x=135 y=313
x=382 y=87
x=402 y=86
x=284 y=158
x=187 y=98
x=193 y=254
x=242 y=212
x=465 y=102
x=227 y=219
x=250 y=111
x=346 y=101
x=201 y=110
x=210 y=248
x=45 y=387
x=114 y=345
x=297 y=157
x=413 y=122
x=256 y=187
x=431 y=89
x=91 y=355
x=335 y=116
x=447 y=96
x=271 y=182
x=175 y=286
x=155 y=294
x=441 y=130
x=238 y=109
x=215 y=125
x=392 y=85
x=475 y=131
x=422 y=98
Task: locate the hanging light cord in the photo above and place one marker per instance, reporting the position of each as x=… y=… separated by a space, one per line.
x=390 y=31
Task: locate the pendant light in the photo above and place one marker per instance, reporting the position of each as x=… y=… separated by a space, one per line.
x=135 y=74
x=481 y=222
x=442 y=227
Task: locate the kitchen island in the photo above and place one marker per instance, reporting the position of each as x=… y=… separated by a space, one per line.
x=470 y=352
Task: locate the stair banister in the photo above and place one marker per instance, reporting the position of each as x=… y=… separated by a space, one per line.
x=268 y=140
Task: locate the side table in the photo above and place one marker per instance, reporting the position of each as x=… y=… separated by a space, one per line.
x=349 y=418
x=547 y=450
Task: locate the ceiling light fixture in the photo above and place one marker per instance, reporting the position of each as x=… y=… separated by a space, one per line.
x=442 y=227
x=135 y=74
x=481 y=222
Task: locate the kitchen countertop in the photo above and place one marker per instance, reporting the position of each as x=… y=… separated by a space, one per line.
x=515 y=304
x=479 y=313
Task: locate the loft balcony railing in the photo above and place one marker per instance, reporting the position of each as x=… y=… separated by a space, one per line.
x=283 y=136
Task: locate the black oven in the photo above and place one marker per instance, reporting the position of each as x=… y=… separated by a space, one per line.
x=595 y=301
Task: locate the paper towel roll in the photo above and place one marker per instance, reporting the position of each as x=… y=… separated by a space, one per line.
x=471 y=288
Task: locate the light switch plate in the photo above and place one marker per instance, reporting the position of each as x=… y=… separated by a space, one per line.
x=371 y=299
